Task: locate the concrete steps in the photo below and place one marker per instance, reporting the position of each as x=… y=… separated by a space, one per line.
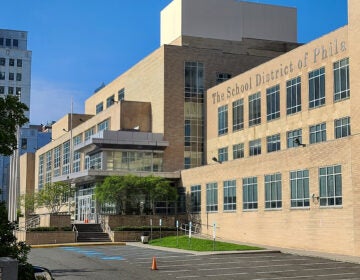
x=91 y=233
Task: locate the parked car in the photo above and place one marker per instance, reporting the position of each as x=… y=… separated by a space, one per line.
x=42 y=273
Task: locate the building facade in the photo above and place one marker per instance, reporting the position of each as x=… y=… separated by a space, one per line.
x=15 y=76
x=150 y=119
x=282 y=143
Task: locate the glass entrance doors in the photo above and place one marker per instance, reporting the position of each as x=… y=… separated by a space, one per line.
x=85 y=205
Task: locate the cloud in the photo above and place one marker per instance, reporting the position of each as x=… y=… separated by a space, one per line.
x=50 y=102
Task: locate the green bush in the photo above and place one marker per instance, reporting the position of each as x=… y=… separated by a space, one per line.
x=143 y=228
x=50 y=229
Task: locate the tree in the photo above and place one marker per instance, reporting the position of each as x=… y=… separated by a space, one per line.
x=53 y=196
x=128 y=192
x=11 y=117
x=9 y=247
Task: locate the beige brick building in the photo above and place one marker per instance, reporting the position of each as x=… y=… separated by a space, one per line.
x=150 y=119
x=282 y=150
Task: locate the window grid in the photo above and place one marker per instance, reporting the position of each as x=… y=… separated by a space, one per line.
x=103 y=126
x=254 y=109
x=292 y=136
x=223 y=154
x=223 y=120
x=293 y=96
x=57 y=161
x=238 y=151
x=273 y=143
x=48 y=166
x=195 y=199
x=273 y=197
x=317 y=133
x=211 y=197
x=238 y=114
x=255 y=147
x=99 y=107
x=341 y=79
x=66 y=158
x=41 y=172
x=330 y=182
x=121 y=94
x=299 y=186
x=273 y=103
x=110 y=101
x=317 y=88
x=342 y=127
x=230 y=195
x=250 y=193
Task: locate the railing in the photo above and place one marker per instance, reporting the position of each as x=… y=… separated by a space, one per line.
x=76 y=232
x=106 y=228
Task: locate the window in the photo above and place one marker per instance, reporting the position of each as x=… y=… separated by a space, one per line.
x=11 y=62
x=187 y=162
x=194 y=80
x=230 y=195
x=88 y=133
x=66 y=158
x=15 y=43
x=238 y=151
x=1 y=41
x=11 y=76
x=41 y=172
x=317 y=133
x=77 y=139
x=273 y=103
x=2 y=90
x=195 y=198
x=221 y=77
x=273 y=143
x=223 y=120
x=299 y=185
x=342 y=127
x=110 y=101
x=250 y=196
x=57 y=161
x=294 y=138
x=238 y=114
x=10 y=90
x=18 y=77
x=121 y=94
x=317 y=88
x=19 y=62
x=254 y=109
x=330 y=185
x=211 y=197
x=48 y=166
x=341 y=79
x=103 y=126
x=76 y=162
x=223 y=154
x=8 y=42
x=293 y=96
x=255 y=147
x=18 y=91
x=23 y=143
x=273 y=191
x=2 y=61
x=99 y=107
x=2 y=75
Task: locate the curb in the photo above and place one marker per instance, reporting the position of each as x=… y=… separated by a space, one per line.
x=78 y=244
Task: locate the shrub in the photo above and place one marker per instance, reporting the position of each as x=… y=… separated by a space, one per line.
x=50 y=229
x=144 y=228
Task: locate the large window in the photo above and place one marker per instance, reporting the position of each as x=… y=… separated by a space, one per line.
x=66 y=158
x=238 y=151
x=341 y=79
x=254 y=109
x=223 y=120
x=294 y=138
x=57 y=160
x=250 y=193
x=317 y=88
x=273 y=103
x=273 y=191
x=238 y=114
x=342 y=127
x=255 y=147
x=230 y=195
x=48 y=166
x=88 y=133
x=211 y=197
x=299 y=184
x=103 y=126
x=330 y=185
x=41 y=172
x=293 y=96
x=223 y=154
x=195 y=199
x=317 y=133
x=273 y=143
x=194 y=79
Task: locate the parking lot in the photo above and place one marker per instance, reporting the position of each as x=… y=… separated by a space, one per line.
x=132 y=262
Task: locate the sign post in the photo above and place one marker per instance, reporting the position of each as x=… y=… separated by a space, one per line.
x=177 y=233
x=160 y=223
x=190 y=224
x=150 y=229
x=214 y=235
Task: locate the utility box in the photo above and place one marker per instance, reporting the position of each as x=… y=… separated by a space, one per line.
x=8 y=269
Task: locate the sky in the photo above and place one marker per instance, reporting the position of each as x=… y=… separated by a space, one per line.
x=79 y=44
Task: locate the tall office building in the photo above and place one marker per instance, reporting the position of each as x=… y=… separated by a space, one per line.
x=15 y=75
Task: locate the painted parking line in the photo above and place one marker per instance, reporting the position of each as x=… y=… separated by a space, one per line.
x=93 y=253
x=307 y=276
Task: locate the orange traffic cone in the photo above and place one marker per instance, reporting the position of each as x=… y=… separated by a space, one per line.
x=153 y=266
